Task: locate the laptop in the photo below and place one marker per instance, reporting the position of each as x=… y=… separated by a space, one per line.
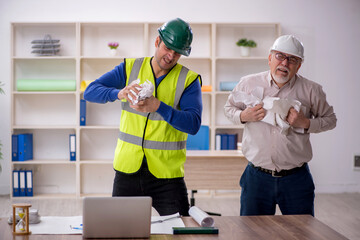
x=116 y=217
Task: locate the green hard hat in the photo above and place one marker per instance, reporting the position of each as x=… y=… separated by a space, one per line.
x=177 y=35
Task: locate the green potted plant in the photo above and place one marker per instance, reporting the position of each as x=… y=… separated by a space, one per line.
x=245 y=46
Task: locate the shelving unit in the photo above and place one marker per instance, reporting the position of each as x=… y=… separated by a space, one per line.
x=52 y=116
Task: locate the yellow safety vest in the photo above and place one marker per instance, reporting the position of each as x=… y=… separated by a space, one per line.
x=148 y=133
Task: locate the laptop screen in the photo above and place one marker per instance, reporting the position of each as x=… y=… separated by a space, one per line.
x=116 y=217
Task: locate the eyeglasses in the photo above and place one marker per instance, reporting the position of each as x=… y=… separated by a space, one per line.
x=281 y=57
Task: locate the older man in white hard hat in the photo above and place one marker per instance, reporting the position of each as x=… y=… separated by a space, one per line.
x=277 y=173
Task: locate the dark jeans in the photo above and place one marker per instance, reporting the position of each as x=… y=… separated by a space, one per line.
x=169 y=196
x=260 y=192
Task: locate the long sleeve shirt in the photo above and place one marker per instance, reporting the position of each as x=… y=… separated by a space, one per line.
x=188 y=119
x=262 y=143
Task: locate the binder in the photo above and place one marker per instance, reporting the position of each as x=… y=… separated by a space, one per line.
x=224 y=141
x=218 y=142
x=16 y=185
x=199 y=141
x=232 y=141
x=82 y=112
x=22 y=181
x=14 y=147
x=72 y=147
x=25 y=146
x=29 y=183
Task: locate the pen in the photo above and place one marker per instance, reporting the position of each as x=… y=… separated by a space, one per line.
x=77 y=228
x=163 y=220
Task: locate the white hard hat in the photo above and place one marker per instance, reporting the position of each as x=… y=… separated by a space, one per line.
x=289 y=44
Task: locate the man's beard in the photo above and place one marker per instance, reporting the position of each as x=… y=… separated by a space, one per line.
x=281 y=79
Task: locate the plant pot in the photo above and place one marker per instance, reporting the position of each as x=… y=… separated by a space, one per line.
x=113 y=52
x=244 y=51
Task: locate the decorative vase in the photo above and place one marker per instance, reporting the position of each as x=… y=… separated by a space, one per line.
x=113 y=52
x=244 y=51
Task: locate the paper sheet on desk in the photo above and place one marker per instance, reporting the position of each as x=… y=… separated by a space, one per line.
x=57 y=225
x=61 y=225
x=276 y=109
x=166 y=227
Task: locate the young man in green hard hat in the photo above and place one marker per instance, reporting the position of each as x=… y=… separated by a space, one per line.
x=151 y=146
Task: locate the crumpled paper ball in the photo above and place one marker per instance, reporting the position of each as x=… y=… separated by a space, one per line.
x=146 y=91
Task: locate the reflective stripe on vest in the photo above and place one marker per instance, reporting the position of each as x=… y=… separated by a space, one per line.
x=152 y=144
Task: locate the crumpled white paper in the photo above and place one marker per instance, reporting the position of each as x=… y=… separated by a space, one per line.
x=146 y=91
x=276 y=109
x=201 y=217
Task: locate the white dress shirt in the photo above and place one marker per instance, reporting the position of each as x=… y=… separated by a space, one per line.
x=262 y=143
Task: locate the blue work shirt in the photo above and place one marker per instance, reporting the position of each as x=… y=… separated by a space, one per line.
x=188 y=119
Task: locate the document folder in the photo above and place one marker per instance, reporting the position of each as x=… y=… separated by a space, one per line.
x=15 y=147
x=72 y=147
x=199 y=141
x=29 y=183
x=82 y=112
x=22 y=183
x=16 y=186
x=25 y=146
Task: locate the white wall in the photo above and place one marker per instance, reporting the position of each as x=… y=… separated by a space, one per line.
x=329 y=29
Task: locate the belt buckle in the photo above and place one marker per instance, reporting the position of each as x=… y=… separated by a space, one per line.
x=273 y=173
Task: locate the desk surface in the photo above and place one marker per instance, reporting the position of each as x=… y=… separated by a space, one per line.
x=252 y=227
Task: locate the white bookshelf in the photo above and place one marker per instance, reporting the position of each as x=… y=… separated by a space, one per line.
x=52 y=116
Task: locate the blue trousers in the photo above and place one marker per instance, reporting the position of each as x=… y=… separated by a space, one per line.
x=260 y=192
x=169 y=196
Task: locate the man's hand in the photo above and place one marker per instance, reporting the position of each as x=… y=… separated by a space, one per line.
x=129 y=91
x=150 y=104
x=252 y=114
x=297 y=119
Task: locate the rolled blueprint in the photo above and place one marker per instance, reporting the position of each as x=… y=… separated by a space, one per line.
x=201 y=217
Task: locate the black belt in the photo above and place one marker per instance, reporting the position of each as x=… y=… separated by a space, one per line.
x=275 y=173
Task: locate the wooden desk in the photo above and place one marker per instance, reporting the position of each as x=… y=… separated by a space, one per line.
x=214 y=170
x=253 y=227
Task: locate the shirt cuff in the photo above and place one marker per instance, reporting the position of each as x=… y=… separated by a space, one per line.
x=237 y=117
x=314 y=126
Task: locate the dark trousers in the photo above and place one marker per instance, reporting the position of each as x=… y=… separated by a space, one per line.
x=169 y=196
x=260 y=192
